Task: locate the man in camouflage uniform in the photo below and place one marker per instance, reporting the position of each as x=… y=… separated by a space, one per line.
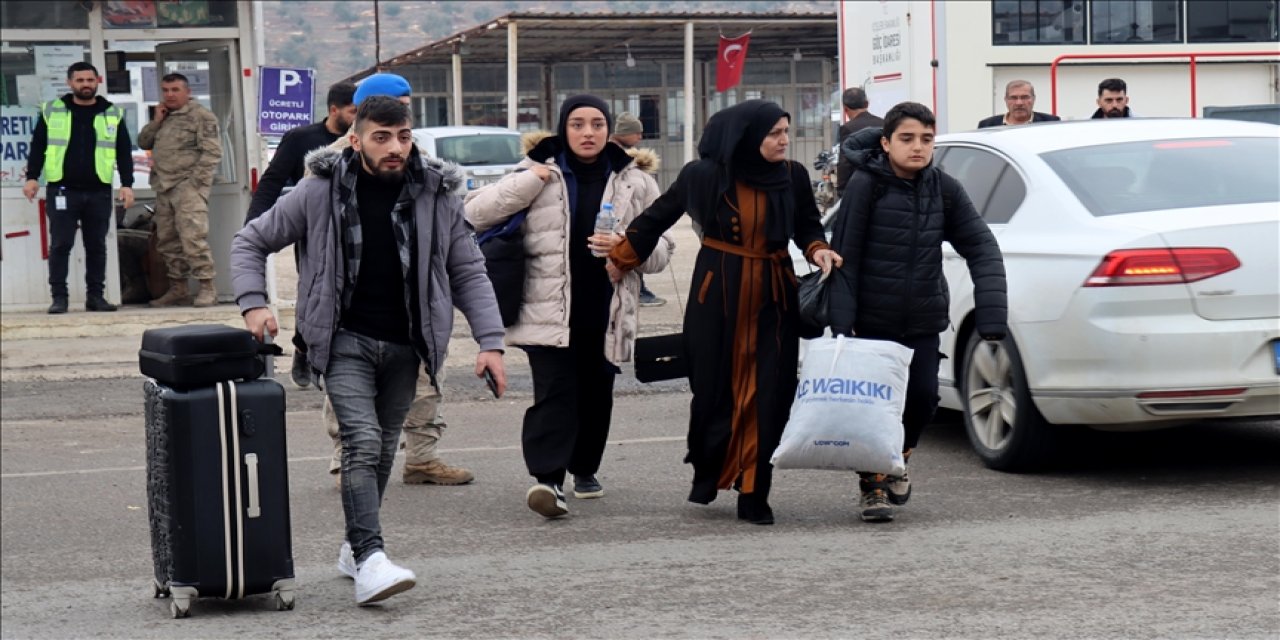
x=184 y=143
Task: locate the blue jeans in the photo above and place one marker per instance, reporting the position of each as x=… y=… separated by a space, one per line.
x=371 y=385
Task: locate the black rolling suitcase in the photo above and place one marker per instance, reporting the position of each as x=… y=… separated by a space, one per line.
x=218 y=490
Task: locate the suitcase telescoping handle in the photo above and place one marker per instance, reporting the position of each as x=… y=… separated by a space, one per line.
x=251 y=464
x=268 y=351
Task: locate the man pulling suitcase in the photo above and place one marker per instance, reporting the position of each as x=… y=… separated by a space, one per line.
x=385 y=240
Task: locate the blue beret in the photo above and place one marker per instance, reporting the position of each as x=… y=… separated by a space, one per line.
x=382 y=84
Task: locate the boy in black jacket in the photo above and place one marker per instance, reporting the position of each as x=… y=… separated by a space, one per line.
x=897 y=211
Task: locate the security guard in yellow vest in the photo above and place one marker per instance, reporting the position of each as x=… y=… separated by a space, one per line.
x=185 y=149
x=78 y=141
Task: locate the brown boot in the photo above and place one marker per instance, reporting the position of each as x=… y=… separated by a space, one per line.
x=207 y=297
x=436 y=472
x=177 y=294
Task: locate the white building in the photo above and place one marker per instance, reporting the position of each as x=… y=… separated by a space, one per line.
x=980 y=46
x=213 y=41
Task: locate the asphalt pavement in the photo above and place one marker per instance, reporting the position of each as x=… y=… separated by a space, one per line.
x=1171 y=534
x=1157 y=535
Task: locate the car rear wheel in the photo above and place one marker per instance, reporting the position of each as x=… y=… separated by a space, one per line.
x=1004 y=426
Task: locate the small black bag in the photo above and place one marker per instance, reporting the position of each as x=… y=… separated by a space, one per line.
x=199 y=355
x=503 y=249
x=815 y=302
x=661 y=358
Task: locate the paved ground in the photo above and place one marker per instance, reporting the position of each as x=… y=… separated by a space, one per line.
x=1158 y=535
x=1170 y=534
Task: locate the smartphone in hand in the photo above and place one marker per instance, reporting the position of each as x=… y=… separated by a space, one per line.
x=493 y=384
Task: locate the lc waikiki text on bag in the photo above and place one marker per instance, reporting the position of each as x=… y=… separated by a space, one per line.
x=847 y=413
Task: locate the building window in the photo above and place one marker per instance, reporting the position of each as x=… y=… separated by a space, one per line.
x=1136 y=21
x=1231 y=21
x=431 y=111
x=41 y=14
x=167 y=15
x=31 y=73
x=1037 y=22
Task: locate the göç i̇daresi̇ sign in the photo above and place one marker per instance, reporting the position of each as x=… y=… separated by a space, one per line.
x=285 y=99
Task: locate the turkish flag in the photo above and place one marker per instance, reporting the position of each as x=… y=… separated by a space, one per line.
x=732 y=56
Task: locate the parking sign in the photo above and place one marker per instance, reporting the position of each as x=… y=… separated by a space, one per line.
x=285 y=99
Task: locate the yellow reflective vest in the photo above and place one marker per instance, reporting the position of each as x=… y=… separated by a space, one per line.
x=106 y=126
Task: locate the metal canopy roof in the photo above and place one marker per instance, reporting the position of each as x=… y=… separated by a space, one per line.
x=562 y=37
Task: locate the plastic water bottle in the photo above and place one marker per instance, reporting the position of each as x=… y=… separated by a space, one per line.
x=605 y=222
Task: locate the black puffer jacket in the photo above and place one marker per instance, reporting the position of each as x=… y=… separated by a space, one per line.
x=890 y=232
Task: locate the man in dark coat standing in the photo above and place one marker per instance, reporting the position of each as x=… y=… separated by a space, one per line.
x=856 y=118
x=1113 y=100
x=1020 y=99
x=287 y=166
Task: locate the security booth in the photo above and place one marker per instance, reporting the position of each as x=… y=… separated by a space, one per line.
x=133 y=45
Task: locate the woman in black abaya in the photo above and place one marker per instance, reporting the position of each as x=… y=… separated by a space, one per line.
x=741 y=326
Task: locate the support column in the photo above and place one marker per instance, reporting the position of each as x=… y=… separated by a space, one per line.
x=513 y=77
x=688 y=93
x=457 y=86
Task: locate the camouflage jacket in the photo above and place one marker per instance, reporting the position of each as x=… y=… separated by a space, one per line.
x=184 y=146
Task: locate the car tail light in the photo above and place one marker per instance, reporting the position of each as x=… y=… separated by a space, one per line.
x=1130 y=267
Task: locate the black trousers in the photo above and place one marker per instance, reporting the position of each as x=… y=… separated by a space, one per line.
x=922 y=385
x=568 y=425
x=90 y=211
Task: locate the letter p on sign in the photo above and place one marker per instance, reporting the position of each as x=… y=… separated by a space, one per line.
x=288 y=78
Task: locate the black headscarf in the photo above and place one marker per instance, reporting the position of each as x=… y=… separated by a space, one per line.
x=732 y=140
x=553 y=146
x=582 y=100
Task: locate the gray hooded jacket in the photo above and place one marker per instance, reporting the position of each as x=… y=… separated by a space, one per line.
x=450 y=266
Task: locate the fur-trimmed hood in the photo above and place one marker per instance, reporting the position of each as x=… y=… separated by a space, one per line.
x=322 y=163
x=645 y=160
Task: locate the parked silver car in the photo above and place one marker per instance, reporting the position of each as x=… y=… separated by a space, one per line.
x=484 y=153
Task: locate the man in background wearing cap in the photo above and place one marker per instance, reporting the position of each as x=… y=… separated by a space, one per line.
x=383 y=84
x=424 y=425
x=627 y=134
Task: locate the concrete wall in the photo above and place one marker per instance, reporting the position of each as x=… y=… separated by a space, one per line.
x=972 y=71
x=977 y=72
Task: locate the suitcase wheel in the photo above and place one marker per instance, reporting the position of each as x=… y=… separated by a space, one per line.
x=284 y=600
x=180 y=604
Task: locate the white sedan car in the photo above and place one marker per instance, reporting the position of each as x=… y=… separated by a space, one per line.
x=1144 y=283
x=485 y=154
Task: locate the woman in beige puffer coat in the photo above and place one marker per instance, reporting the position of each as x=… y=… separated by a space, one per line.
x=574 y=324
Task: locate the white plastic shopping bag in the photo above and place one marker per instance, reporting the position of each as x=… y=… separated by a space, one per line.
x=847 y=414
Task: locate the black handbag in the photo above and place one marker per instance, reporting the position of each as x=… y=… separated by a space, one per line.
x=503 y=249
x=661 y=358
x=815 y=303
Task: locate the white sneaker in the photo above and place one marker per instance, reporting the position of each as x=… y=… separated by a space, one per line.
x=346 y=561
x=377 y=579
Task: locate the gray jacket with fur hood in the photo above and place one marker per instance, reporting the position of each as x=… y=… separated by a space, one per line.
x=450 y=266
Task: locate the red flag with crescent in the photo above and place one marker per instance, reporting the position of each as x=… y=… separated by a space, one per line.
x=729 y=62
